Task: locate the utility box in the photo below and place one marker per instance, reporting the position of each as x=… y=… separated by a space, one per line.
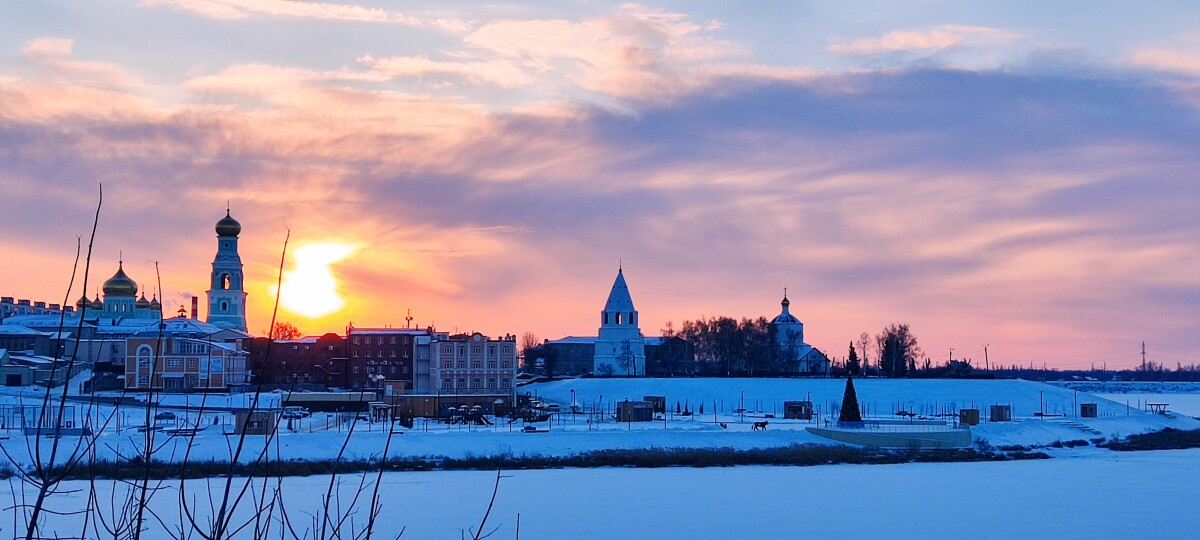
x=634 y=411
x=968 y=417
x=658 y=403
x=798 y=410
x=1089 y=410
x=1001 y=413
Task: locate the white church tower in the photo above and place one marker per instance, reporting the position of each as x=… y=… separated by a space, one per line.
x=620 y=349
x=226 y=295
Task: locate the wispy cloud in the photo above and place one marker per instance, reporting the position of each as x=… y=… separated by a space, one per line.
x=302 y=9
x=939 y=38
x=1167 y=59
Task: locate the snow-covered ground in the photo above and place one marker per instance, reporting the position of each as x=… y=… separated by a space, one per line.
x=1093 y=495
x=320 y=436
x=881 y=397
x=1185 y=404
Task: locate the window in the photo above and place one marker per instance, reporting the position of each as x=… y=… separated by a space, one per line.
x=462 y=382
x=492 y=364
x=143 y=381
x=174 y=362
x=632 y=318
x=462 y=363
x=476 y=364
x=143 y=356
x=193 y=364
x=356 y=354
x=369 y=369
x=394 y=370
x=356 y=340
x=462 y=351
x=448 y=364
x=618 y=317
x=356 y=369
x=393 y=340
x=393 y=353
x=504 y=383
x=475 y=383
x=403 y=369
x=224 y=282
x=476 y=351
x=447 y=383
x=605 y=319
x=224 y=306
x=491 y=382
x=379 y=341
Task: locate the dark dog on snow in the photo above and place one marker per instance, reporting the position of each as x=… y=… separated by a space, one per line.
x=759 y=426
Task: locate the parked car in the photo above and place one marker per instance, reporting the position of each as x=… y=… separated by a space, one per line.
x=295 y=412
x=165 y=415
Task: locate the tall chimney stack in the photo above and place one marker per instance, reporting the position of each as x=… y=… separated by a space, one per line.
x=195 y=307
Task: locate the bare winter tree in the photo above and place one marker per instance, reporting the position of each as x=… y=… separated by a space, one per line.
x=285 y=331
x=529 y=341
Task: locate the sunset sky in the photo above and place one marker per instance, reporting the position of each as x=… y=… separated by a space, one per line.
x=1019 y=174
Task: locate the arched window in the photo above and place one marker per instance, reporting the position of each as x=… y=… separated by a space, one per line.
x=604 y=317
x=224 y=306
x=224 y=282
x=144 y=354
x=633 y=318
x=618 y=318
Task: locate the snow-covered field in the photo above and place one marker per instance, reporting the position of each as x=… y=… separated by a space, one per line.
x=320 y=436
x=1092 y=495
x=1186 y=404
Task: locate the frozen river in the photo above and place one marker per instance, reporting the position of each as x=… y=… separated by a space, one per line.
x=1090 y=493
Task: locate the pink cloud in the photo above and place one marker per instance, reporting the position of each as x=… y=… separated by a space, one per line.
x=498 y=72
x=936 y=39
x=1167 y=59
x=301 y=9
x=53 y=58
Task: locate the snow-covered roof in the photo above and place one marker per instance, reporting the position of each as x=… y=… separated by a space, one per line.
x=43 y=320
x=181 y=326
x=574 y=340
x=18 y=330
x=389 y=331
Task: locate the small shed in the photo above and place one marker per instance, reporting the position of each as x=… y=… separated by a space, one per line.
x=1089 y=410
x=798 y=410
x=1001 y=413
x=254 y=422
x=968 y=417
x=635 y=411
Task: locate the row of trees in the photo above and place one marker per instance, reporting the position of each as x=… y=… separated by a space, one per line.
x=727 y=347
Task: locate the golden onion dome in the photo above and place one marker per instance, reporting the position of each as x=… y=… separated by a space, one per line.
x=142 y=303
x=120 y=284
x=83 y=302
x=228 y=226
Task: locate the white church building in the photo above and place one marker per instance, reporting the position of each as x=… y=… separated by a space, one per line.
x=797 y=355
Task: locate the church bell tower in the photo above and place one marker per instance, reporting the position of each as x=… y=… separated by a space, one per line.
x=226 y=294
